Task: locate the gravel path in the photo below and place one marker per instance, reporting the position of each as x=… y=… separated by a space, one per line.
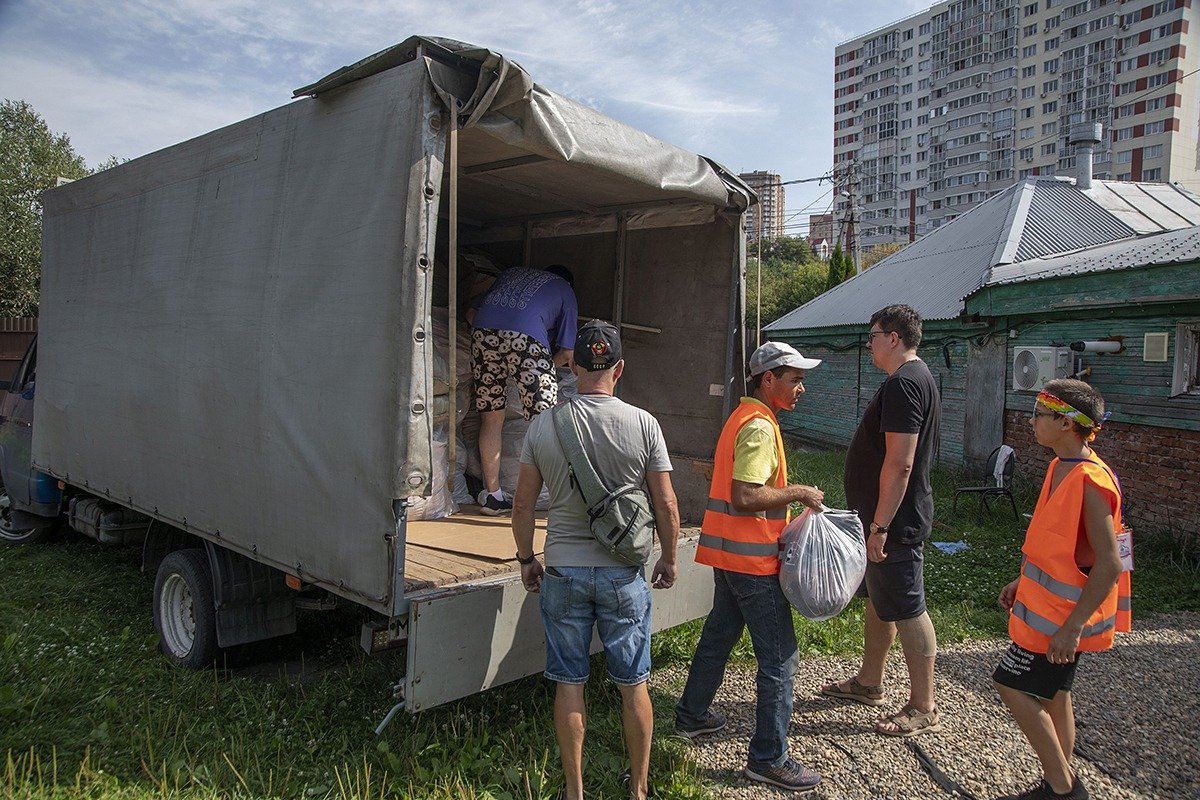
x=1138 y=706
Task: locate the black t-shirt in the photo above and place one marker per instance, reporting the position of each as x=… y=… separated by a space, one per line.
x=907 y=402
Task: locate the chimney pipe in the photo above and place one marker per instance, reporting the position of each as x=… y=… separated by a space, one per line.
x=1084 y=137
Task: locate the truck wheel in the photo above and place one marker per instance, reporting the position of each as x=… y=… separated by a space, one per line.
x=12 y=535
x=185 y=615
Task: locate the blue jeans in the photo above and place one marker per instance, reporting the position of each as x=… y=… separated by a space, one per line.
x=755 y=602
x=616 y=601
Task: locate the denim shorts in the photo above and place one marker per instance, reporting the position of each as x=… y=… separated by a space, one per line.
x=613 y=600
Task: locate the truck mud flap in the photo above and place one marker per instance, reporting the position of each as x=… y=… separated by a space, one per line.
x=470 y=637
x=253 y=602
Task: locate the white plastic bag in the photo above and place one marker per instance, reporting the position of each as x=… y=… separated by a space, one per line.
x=824 y=558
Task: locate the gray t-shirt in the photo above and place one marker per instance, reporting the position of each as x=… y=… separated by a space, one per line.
x=623 y=443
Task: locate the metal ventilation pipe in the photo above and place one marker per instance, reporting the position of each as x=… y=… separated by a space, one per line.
x=1084 y=137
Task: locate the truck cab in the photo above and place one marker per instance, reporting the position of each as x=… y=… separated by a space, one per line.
x=30 y=500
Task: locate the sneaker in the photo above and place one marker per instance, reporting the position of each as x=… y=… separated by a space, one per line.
x=713 y=721
x=787 y=775
x=1042 y=791
x=493 y=507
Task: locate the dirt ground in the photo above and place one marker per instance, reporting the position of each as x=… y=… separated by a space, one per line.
x=1137 y=708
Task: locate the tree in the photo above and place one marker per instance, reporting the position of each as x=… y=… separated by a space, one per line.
x=790 y=277
x=841 y=267
x=32 y=158
x=879 y=252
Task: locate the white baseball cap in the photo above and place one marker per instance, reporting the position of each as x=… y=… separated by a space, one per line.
x=777 y=354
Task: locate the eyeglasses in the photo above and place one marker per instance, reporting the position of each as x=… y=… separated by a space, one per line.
x=873 y=334
x=1037 y=414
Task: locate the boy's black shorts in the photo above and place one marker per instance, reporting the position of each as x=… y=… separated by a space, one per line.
x=1033 y=674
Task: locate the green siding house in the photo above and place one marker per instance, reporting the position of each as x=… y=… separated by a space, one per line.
x=1027 y=269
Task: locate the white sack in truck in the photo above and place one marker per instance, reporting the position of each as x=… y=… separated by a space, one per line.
x=824 y=559
x=464 y=397
x=440 y=503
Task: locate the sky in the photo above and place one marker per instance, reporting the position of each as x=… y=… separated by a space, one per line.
x=749 y=84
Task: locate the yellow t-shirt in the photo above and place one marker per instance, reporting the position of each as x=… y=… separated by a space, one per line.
x=755 y=459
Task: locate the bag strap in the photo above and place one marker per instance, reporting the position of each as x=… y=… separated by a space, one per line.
x=583 y=474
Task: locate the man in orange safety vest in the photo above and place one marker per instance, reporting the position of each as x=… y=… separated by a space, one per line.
x=739 y=538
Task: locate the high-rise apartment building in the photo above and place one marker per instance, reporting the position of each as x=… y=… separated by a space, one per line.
x=767 y=214
x=937 y=112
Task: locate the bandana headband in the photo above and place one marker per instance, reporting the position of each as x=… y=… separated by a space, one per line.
x=1060 y=407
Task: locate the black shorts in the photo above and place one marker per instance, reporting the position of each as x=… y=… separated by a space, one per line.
x=1033 y=674
x=897 y=585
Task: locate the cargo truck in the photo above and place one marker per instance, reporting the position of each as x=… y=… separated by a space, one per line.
x=234 y=364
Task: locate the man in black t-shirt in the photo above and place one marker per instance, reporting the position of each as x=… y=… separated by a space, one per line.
x=887 y=483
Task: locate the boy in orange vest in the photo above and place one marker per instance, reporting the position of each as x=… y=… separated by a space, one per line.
x=1073 y=591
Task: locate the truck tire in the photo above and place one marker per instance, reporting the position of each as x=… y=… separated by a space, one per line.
x=185 y=614
x=16 y=535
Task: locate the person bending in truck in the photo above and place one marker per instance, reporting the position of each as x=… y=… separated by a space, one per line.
x=582 y=586
x=524 y=327
x=1073 y=591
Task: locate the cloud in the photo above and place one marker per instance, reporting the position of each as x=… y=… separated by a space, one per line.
x=750 y=85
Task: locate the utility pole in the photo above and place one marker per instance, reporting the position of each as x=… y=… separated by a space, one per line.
x=852 y=211
x=850 y=221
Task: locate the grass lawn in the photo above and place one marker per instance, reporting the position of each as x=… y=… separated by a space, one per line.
x=88 y=709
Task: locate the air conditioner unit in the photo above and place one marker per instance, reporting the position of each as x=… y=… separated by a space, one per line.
x=1033 y=366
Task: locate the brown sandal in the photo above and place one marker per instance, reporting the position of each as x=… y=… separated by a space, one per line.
x=910 y=722
x=858 y=692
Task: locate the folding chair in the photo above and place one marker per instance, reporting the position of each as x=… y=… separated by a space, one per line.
x=1000 y=465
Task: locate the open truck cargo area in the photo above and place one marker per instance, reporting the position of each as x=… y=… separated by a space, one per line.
x=236 y=339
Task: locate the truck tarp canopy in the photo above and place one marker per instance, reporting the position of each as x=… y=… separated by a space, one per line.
x=235 y=330
x=500 y=104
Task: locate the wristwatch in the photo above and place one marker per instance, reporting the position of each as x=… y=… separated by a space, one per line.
x=524 y=562
x=876 y=528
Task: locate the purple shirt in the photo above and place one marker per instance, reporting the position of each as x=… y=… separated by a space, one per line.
x=538 y=304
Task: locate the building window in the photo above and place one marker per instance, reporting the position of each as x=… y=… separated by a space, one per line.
x=1028 y=92
x=1187 y=359
x=1152 y=175
x=1049 y=149
x=1028 y=72
x=1049 y=128
x=1050 y=108
x=1153 y=128
x=1153 y=151
x=1026 y=133
x=1124 y=156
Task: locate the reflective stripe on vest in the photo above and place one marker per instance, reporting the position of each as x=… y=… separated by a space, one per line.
x=1049 y=628
x=739 y=548
x=1066 y=591
x=722 y=507
x=1051 y=582
x=734 y=540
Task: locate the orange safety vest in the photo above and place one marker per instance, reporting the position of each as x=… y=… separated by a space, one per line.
x=1051 y=581
x=741 y=541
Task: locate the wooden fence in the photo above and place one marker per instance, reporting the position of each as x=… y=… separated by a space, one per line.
x=15 y=335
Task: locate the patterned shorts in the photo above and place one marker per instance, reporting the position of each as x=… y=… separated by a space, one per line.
x=497 y=356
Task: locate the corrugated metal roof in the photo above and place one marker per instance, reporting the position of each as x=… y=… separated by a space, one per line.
x=1170 y=247
x=1029 y=220
x=1061 y=218
x=1147 y=207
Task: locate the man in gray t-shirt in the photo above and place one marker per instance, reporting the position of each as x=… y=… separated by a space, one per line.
x=583 y=587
